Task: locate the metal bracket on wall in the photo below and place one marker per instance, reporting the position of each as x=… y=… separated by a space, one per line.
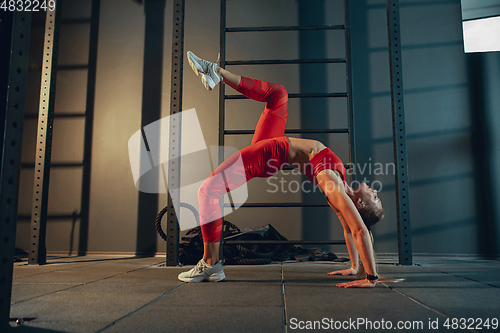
x=11 y=157
x=38 y=253
x=399 y=134
x=174 y=168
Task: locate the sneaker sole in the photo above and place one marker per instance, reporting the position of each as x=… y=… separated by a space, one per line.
x=213 y=278
x=193 y=66
x=217 y=278
x=195 y=279
x=205 y=82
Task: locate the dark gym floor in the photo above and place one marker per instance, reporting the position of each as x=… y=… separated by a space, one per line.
x=126 y=294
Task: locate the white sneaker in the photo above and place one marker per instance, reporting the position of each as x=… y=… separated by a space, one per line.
x=204 y=272
x=205 y=69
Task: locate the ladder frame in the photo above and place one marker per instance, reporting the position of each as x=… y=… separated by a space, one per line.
x=223 y=97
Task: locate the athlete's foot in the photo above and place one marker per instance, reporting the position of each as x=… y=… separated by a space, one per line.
x=208 y=71
x=204 y=272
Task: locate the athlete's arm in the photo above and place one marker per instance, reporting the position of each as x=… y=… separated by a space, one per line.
x=351 y=248
x=332 y=186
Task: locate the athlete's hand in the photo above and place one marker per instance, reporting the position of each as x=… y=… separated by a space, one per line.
x=349 y=271
x=358 y=284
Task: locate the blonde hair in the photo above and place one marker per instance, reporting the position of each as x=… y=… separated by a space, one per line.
x=371 y=215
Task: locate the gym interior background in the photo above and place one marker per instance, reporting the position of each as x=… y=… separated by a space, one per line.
x=451 y=104
x=95 y=211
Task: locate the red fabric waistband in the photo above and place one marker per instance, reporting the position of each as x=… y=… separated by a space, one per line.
x=324 y=160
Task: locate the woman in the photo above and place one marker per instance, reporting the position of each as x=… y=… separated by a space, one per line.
x=270 y=150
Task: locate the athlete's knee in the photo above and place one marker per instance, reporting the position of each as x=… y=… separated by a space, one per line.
x=204 y=189
x=210 y=189
x=277 y=98
x=281 y=91
x=281 y=88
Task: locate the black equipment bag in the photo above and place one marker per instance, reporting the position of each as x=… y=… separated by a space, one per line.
x=191 y=247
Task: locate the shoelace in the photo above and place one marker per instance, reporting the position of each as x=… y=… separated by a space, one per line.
x=198 y=268
x=210 y=64
x=212 y=67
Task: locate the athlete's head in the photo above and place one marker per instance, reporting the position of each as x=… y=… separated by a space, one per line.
x=368 y=204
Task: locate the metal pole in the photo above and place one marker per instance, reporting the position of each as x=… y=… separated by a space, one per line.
x=349 y=77
x=38 y=252
x=11 y=156
x=399 y=134
x=222 y=106
x=222 y=109
x=174 y=170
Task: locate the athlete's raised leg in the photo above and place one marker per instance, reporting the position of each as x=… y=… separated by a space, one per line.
x=272 y=122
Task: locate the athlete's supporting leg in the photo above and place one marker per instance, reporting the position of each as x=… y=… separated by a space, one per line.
x=272 y=122
x=211 y=252
x=226 y=177
x=262 y=159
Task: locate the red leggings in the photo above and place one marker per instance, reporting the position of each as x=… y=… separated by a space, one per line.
x=263 y=158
